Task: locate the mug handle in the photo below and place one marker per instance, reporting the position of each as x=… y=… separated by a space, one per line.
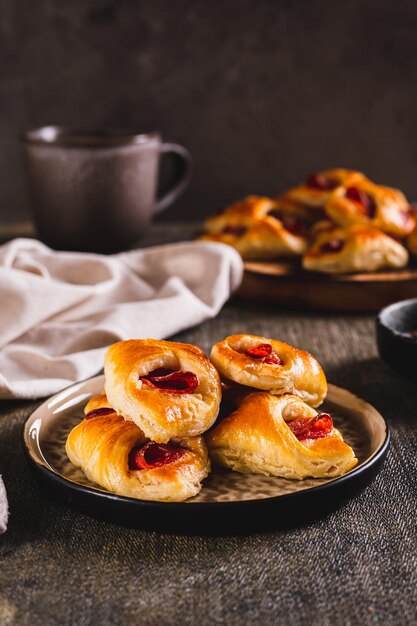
x=183 y=163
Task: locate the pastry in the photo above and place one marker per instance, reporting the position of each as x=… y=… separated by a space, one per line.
x=412 y=242
x=295 y=217
x=270 y=365
x=412 y=237
x=318 y=188
x=280 y=436
x=258 y=229
x=305 y=220
x=115 y=454
x=251 y=206
x=324 y=225
x=357 y=248
x=366 y=203
x=166 y=388
x=265 y=238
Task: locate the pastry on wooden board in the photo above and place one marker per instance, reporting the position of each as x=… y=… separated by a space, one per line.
x=357 y=248
x=263 y=228
x=366 y=203
x=411 y=241
x=259 y=228
x=317 y=188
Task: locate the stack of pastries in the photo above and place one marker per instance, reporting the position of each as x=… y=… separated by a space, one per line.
x=338 y=221
x=153 y=431
x=142 y=437
x=273 y=390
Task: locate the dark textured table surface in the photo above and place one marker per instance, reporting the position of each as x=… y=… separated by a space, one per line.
x=357 y=566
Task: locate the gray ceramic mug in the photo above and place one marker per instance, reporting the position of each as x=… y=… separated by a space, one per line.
x=96 y=190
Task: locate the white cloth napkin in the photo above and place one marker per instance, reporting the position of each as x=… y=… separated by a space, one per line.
x=60 y=310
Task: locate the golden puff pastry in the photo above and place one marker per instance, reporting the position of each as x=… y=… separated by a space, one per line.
x=270 y=365
x=258 y=238
x=294 y=216
x=286 y=209
x=97 y=402
x=324 y=225
x=166 y=388
x=318 y=188
x=356 y=248
x=251 y=206
x=116 y=455
x=412 y=241
x=280 y=436
x=366 y=203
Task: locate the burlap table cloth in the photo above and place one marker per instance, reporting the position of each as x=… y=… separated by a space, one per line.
x=357 y=566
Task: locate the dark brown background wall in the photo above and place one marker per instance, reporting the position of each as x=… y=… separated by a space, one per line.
x=261 y=92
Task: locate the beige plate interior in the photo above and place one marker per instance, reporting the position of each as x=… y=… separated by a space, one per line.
x=46 y=431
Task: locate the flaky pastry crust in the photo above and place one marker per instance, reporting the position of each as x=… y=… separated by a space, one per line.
x=253 y=228
x=257 y=439
x=251 y=206
x=264 y=238
x=412 y=241
x=161 y=415
x=100 y=446
x=354 y=249
x=308 y=213
x=390 y=209
x=314 y=197
x=299 y=374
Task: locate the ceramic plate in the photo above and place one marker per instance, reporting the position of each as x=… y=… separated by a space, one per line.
x=228 y=501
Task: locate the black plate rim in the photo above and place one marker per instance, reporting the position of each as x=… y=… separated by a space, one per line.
x=197 y=507
x=200 y=506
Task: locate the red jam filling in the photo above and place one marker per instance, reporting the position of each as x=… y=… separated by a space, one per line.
x=105 y=410
x=153 y=455
x=237 y=231
x=171 y=381
x=367 y=204
x=317 y=181
x=334 y=245
x=312 y=428
x=264 y=353
x=406 y=216
x=294 y=225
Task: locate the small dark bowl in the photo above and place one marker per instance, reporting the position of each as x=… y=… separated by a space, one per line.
x=396 y=333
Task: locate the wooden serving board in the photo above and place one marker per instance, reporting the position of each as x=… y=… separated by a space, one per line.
x=287 y=284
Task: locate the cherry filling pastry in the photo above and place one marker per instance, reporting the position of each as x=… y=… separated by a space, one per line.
x=99 y=412
x=406 y=215
x=322 y=183
x=264 y=353
x=237 y=231
x=334 y=245
x=294 y=225
x=171 y=381
x=312 y=427
x=153 y=455
x=366 y=203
